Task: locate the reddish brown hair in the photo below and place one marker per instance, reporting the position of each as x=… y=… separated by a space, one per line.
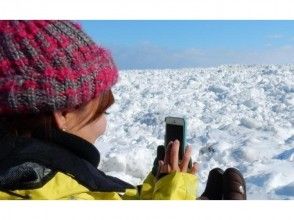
x=25 y=124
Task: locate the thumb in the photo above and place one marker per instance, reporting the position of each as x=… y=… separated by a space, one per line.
x=195 y=168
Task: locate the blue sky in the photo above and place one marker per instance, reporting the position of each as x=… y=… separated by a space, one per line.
x=179 y=44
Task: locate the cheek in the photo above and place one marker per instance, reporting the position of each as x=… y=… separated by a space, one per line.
x=92 y=131
x=100 y=126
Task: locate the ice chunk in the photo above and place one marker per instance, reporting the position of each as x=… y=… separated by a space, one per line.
x=250 y=123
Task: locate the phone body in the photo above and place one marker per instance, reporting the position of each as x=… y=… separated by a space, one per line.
x=175 y=128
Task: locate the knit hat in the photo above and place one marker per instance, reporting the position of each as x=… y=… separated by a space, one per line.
x=50 y=65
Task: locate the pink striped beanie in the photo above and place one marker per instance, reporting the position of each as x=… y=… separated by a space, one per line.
x=50 y=65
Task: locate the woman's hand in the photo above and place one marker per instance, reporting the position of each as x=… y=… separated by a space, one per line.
x=171 y=160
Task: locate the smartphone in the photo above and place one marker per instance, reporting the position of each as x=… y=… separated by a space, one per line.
x=175 y=128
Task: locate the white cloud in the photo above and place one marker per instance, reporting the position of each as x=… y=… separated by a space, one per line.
x=268 y=44
x=275 y=36
x=148 y=55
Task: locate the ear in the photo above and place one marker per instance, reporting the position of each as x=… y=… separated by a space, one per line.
x=61 y=119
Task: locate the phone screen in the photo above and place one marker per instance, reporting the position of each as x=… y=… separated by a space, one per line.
x=174 y=132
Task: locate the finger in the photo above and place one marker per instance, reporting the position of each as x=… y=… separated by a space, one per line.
x=174 y=155
x=164 y=168
x=186 y=159
x=194 y=169
x=167 y=153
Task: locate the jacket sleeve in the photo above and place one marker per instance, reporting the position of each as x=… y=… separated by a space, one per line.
x=174 y=186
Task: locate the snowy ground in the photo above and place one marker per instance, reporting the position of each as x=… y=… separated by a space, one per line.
x=238 y=116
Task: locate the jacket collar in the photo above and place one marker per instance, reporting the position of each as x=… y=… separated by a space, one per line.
x=73 y=143
x=62 y=152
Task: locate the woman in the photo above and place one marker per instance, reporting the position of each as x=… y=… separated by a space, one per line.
x=55 y=86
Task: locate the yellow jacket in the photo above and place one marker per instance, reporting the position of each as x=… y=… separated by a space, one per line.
x=176 y=185
x=65 y=167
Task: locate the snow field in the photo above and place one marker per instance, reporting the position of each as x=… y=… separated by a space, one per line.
x=238 y=116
